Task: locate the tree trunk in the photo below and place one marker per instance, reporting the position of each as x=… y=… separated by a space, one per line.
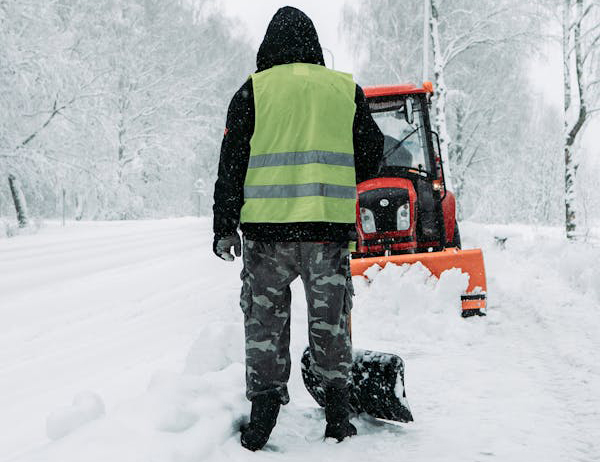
x=19 y=201
x=78 y=207
x=572 y=42
x=570 y=196
x=570 y=226
x=458 y=150
x=441 y=93
x=64 y=206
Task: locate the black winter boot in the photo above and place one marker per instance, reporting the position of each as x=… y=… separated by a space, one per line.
x=265 y=409
x=337 y=414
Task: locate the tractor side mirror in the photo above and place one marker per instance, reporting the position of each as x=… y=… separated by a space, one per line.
x=439 y=164
x=436 y=147
x=408 y=111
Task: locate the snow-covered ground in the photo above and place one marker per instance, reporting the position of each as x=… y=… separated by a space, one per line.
x=122 y=341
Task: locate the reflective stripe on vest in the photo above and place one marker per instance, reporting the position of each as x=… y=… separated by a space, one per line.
x=301 y=166
x=300 y=190
x=301 y=158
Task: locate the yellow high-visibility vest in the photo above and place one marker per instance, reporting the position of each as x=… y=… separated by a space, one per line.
x=301 y=166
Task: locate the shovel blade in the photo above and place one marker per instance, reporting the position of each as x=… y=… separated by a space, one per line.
x=376 y=388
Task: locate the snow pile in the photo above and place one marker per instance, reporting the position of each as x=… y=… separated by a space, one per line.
x=575 y=263
x=218 y=345
x=579 y=264
x=208 y=398
x=208 y=402
x=87 y=406
x=407 y=305
x=189 y=415
x=9 y=227
x=182 y=416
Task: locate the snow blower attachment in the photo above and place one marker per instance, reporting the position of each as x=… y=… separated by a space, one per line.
x=404 y=215
x=468 y=261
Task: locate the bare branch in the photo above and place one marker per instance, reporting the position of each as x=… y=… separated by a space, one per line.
x=55 y=111
x=591 y=84
x=480 y=159
x=582 y=16
x=591 y=48
x=589 y=31
x=469 y=44
x=474 y=30
x=71 y=165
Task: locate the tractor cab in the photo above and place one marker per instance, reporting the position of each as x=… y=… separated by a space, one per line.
x=401 y=209
x=405 y=214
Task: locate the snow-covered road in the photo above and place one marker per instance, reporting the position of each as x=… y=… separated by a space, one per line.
x=143 y=315
x=98 y=306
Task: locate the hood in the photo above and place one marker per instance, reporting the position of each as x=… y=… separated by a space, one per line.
x=290 y=38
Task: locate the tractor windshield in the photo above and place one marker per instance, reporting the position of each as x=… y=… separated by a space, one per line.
x=405 y=144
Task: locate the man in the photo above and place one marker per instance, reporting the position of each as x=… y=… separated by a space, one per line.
x=298 y=138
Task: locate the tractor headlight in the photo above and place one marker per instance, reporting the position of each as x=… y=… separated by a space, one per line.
x=403 y=217
x=367 y=220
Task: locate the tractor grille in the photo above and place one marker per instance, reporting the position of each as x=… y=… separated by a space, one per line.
x=384 y=204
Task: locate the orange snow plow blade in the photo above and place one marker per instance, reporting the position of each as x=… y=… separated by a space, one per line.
x=468 y=261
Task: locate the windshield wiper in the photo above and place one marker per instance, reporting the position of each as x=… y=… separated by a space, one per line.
x=394 y=147
x=399 y=143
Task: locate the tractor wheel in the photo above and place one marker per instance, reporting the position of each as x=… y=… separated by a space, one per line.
x=456 y=238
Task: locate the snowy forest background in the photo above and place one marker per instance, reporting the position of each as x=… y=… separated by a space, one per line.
x=115 y=109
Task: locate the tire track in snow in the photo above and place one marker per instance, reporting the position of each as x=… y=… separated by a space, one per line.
x=560 y=327
x=90 y=246
x=47 y=270
x=79 y=235
x=575 y=386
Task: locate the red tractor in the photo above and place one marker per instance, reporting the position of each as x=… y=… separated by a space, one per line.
x=406 y=214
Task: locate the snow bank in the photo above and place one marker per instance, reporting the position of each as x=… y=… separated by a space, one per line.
x=182 y=416
x=218 y=345
x=87 y=406
x=9 y=227
x=575 y=263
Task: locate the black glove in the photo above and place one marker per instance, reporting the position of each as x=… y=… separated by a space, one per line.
x=222 y=246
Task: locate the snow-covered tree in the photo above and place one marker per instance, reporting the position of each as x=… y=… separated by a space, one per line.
x=118 y=102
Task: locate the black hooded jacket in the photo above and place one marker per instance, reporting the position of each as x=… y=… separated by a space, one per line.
x=290 y=38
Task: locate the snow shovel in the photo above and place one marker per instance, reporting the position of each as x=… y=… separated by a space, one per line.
x=376 y=388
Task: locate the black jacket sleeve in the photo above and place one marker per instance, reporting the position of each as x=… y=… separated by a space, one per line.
x=235 y=152
x=368 y=140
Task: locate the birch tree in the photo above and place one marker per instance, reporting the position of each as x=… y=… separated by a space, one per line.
x=441 y=91
x=581 y=48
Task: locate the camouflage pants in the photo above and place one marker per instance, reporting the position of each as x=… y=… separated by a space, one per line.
x=269 y=268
